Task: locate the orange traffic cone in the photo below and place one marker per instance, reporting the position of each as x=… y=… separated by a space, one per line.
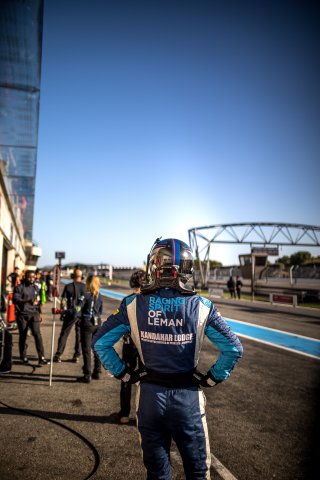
x=11 y=317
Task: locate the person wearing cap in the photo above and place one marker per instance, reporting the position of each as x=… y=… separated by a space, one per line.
x=26 y=298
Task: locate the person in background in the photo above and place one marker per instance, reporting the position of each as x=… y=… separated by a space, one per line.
x=37 y=280
x=13 y=278
x=49 y=283
x=26 y=298
x=43 y=291
x=168 y=322
x=71 y=301
x=231 y=287
x=21 y=276
x=239 y=285
x=41 y=284
x=90 y=322
x=130 y=354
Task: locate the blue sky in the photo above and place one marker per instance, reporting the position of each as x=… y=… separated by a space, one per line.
x=159 y=116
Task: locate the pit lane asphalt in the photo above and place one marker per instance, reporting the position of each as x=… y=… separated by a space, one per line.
x=262 y=421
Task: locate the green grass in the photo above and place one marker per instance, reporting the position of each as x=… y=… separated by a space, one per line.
x=309 y=305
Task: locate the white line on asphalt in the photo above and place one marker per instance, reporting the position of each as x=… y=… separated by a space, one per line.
x=275 y=345
x=271 y=329
x=221 y=470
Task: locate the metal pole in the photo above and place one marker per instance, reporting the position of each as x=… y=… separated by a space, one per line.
x=291 y=268
x=208 y=266
x=252 y=275
x=200 y=268
x=52 y=341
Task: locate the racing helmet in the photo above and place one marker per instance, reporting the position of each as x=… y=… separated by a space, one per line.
x=170 y=264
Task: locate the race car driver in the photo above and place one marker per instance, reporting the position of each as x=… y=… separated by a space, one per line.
x=167 y=323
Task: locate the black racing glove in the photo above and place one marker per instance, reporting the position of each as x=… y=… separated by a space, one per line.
x=207 y=380
x=131 y=376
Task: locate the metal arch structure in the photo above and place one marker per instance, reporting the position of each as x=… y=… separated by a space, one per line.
x=264 y=234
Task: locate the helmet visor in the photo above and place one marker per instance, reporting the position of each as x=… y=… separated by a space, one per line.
x=172 y=253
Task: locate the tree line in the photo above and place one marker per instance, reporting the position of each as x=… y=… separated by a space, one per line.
x=297 y=258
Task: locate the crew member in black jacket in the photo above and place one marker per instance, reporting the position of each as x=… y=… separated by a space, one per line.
x=26 y=298
x=72 y=300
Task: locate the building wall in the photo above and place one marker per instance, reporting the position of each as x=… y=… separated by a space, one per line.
x=12 y=252
x=20 y=75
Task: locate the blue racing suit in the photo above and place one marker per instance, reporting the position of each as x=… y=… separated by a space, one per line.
x=168 y=329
